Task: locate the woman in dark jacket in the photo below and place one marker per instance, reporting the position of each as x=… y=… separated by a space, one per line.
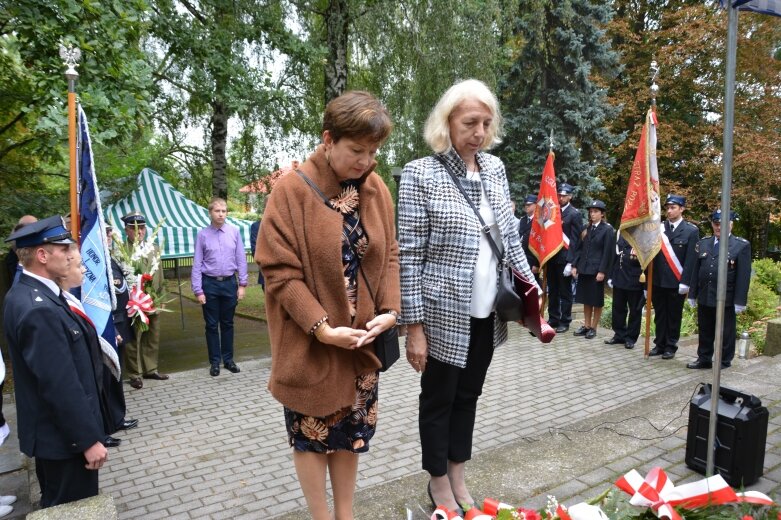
x=590 y=266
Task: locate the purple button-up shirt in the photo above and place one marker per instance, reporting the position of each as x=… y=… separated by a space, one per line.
x=218 y=252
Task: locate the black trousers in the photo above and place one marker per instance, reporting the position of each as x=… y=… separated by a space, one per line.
x=559 y=296
x=631 y=302
x=65 y=480
x=448 y=401
x=706 y=320
x=668 y=310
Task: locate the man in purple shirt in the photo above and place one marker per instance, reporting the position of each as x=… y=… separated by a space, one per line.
x=219 y=257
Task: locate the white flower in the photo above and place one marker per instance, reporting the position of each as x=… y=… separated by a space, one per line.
x=584 y=511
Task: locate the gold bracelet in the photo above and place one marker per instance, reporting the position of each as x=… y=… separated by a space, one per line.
x=319 y=331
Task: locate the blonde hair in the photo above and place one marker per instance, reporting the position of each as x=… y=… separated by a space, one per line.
x=217 y=201
x=436 y=132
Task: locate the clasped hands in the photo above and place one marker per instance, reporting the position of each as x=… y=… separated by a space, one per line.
x=350 y=338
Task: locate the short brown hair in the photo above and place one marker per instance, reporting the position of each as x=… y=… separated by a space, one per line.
x=357 y=114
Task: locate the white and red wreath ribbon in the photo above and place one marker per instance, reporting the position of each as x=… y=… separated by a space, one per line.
x=658 y=492
x=140 y=304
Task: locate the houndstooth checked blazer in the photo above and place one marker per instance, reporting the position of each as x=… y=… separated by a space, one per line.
x=439 y=239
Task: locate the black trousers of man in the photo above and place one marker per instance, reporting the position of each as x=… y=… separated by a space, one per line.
x=448 y=401
x=668 y=310
x=632 y=301
x=706 y=319
x=65 y=480
x=559 y=296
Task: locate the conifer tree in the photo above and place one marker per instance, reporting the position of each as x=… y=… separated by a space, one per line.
x=560 y=60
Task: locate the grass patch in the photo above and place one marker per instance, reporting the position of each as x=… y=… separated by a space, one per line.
x=252 y=306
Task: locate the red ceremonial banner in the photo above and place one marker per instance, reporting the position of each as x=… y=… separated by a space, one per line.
x=545 y=237
x=641 y=220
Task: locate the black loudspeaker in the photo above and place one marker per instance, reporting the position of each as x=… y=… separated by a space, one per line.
x=741 y=432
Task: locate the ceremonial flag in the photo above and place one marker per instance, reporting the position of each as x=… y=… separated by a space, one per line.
x=641 y=220
x=546 y=237
x=97 y=290
x=758 y=6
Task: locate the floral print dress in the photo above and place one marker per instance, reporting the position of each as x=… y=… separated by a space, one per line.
x=352 y=427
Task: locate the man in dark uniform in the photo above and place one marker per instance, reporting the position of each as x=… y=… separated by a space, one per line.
x=524 y=228
x=57 y=373
x=560 y=274
x=627 y=295
x=703 y=292
x=672 y=276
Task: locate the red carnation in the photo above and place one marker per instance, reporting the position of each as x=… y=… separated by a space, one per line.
x=529 y=514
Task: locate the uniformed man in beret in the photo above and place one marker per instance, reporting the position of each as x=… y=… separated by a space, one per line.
x=142 y=351
x=560 y=293
x=524 y=229
x=56 y=370
x=672 y=276
x=703 y=291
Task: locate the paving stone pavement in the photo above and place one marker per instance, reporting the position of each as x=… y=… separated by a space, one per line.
x=216 y=447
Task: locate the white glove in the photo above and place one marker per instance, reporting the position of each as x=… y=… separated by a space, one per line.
x=692 y=302
x=683 y=288
x=610 y=282
x=739 y=308
x=568 y=270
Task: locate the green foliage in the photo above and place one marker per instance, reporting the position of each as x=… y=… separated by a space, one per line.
x=768 y=273
x=762 y=306
x=559 y=59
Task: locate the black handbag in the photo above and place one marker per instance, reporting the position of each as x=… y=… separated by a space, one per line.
x=509 y=304
x=386 y=344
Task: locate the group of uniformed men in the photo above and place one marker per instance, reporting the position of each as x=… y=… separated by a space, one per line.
x=685 y=268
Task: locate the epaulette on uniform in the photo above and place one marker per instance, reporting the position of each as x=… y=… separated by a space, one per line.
x=741 y=239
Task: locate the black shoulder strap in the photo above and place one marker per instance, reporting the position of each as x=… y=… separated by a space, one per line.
x=330 y=205
x=485 y=229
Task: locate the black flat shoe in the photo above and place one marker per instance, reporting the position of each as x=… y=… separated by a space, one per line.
x=699 y=364
x=629 y=345
x=111 y=442
x=613 y=341
x=668 y=355
x=581 y=331
x=232 y=367
x=562 y=328
x=591 y=334
x=129 y=424
x=214 y=371
x=656 y=351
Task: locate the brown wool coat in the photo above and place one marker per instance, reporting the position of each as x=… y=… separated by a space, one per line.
x=299 y=250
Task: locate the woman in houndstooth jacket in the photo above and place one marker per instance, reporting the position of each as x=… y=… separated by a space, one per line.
x=449 y=276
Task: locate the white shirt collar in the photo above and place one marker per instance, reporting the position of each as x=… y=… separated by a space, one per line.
x=565 y=207
x=46 y=281
x=675 y=224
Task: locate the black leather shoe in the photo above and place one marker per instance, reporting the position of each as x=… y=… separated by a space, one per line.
x=668 y=355
x=157 y=376
x=136 y=383
x=591 y=334
x=562 y=328
x=111 y=442
x=726 y=364
x=613 y=341
x=581 y=331
x=629 y=345
x=214 y=371
x=129 y=424
x=696 y=365
x=233 y=367
x=656 y=351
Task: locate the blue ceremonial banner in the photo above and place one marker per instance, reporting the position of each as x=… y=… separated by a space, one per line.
x=97 y=290
x=758 y=6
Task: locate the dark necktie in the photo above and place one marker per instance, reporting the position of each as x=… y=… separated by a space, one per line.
x=63 y=299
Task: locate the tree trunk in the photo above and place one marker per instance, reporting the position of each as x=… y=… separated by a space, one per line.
x=219 y=138
x=337 y=23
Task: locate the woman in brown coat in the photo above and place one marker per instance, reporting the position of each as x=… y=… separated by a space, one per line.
x=323 y=313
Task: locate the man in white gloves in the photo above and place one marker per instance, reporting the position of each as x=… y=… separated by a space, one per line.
x=560 y=293
x=703 y=291
x=673 y=267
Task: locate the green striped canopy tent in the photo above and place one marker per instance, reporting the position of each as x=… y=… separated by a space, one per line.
x=158 y=200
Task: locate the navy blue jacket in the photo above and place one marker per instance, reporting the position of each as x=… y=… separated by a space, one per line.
x=594 y=253
x=56 y=373
x=706 y=272
x=683 y=241
x=626 y=268
x=571 y=226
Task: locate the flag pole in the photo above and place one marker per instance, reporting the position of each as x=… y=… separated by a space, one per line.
x=71 y=57
x=649 y=282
